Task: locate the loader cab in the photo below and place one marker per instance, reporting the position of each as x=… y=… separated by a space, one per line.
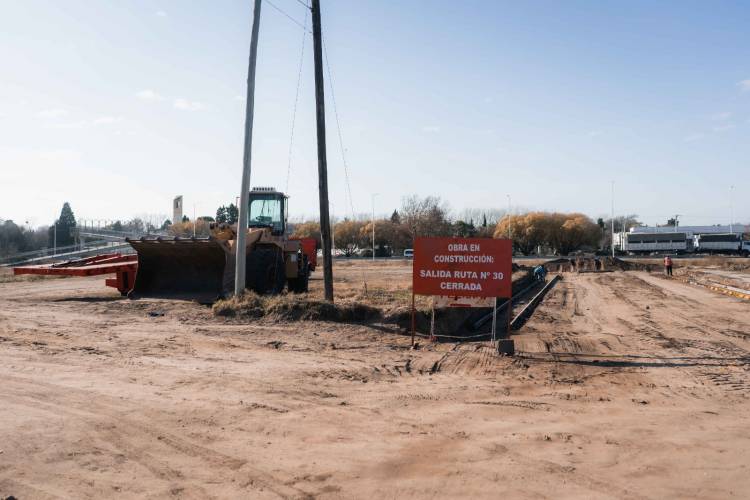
x=267 y=208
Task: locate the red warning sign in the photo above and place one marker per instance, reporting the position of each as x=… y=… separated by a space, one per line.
x=463 y=267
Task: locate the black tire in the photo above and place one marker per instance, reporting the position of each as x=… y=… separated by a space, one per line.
x=265 y=271
x=301 y=283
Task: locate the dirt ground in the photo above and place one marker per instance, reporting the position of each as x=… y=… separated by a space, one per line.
x=626 y=385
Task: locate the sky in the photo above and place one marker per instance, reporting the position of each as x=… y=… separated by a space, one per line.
x=116 y=107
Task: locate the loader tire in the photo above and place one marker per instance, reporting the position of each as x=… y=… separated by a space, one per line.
x=265 y=271
x=300 y=284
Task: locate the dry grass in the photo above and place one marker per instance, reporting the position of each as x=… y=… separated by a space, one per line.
x=289 y=307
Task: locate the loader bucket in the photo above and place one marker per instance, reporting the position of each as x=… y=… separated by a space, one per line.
x=180 y=268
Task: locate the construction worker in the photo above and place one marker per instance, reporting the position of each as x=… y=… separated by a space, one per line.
x=540 y=272
x=668 y=265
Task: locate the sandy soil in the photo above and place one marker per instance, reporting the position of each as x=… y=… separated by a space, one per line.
x=627 y=385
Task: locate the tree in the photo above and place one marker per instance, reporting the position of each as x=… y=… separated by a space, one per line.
x=165 y=225
x=233 y=214
x=388 y=236
x=62 y=230
x=426 y=216
x=562 y=233
x=395 y=217
x=221 y=214
x=348 y=236
x=462 y=229
x=11 y=238
x=185 y=218
x=229 y=214
x=309 y=229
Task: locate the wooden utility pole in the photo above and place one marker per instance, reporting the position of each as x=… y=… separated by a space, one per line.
x=239 y=270
x=325 y=223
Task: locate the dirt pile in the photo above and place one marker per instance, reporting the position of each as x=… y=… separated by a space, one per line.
x=605 y=264
x=294 y=308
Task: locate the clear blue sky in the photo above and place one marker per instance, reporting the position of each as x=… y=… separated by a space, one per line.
x=119 y=106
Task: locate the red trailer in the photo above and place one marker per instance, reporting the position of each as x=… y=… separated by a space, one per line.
x=310 y=249
x=122 y=266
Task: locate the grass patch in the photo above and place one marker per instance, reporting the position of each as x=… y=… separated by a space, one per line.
x=289 y=307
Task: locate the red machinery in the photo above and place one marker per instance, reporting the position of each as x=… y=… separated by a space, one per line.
x=310 y=249
x=123 y=266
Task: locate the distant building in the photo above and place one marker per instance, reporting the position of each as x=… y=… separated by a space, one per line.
x=177 y=209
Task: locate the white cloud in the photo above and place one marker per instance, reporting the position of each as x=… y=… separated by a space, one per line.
x=594 y=133
x=239 y=98
x=161 y=13
x=52 y=113
x=69 y=125
x=149 y=95
x=59 y=156
x=102 y=120
x=694 y=137
x=187 y=105
x=431 y=129
x=723 y=116
x=744 y=85
x=723 y=128
x=107 y=120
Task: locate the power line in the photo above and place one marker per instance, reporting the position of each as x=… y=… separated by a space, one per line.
x=338 y=128
x=292 y=19
x=296 y=100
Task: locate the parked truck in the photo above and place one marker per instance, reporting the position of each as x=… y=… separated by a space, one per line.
x=646 y=243
x=726 y=243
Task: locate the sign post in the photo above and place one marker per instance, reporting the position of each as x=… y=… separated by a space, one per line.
x=462 y=272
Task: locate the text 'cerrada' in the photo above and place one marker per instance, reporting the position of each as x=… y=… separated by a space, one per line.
x=467 y=267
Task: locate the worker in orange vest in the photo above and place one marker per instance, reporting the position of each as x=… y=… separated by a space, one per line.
x=668 y=265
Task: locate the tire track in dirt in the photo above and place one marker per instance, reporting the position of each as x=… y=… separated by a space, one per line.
x=98 y=412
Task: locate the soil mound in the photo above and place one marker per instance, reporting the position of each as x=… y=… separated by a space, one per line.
x=294 y=308
x=602 y=264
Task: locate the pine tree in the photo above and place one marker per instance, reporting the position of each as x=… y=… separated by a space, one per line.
x=395 y=217
x=221 y=214
x=233 y=213
x=61 y=233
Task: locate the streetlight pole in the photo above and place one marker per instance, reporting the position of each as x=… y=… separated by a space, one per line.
x=731 y=209
x=373 y=225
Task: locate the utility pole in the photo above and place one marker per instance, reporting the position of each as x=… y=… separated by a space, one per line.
x=373 y=225
x=325 y=223
x=239 y=268
x=612 y=219
x=509 y=218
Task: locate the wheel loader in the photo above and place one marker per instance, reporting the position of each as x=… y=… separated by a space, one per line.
x=203 y=269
